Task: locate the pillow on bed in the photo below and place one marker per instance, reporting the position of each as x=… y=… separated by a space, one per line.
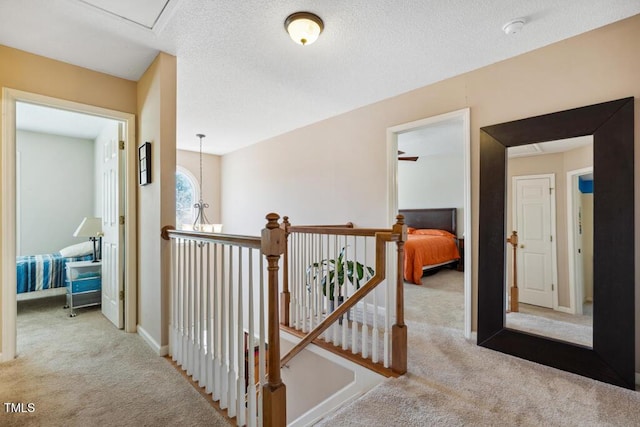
x=433 y=232
x=84 y=248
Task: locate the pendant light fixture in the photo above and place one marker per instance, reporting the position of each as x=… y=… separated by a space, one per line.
x=303 y=27
x=201 y=222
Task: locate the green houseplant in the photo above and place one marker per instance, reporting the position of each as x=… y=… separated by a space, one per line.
x=333 y=273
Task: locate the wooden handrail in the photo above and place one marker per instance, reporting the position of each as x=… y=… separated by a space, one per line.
x=340 y=231
x=375 y=280
x=231 y=239
x=347 y=225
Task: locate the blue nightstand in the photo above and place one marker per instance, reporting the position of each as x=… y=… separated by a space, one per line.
x=84 y=285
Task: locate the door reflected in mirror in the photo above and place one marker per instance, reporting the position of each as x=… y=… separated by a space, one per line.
x=550 y=190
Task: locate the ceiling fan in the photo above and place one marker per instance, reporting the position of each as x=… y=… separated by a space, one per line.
x=406 y=158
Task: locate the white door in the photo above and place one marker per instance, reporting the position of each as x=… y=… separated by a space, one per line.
x=112 y=248
x=533 y=220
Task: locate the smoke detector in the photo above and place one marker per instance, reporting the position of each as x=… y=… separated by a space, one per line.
x=513 y=27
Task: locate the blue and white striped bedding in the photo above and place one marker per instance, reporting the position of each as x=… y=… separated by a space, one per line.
x=38 y=272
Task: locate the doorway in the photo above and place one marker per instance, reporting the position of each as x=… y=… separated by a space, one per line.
x=9 y=199
x=462 y=118
x=580 y=239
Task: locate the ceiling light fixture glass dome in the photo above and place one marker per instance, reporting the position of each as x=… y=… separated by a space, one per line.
x=303 y=27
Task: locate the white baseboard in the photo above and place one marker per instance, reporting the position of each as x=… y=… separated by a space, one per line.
x=164 y=350
x=157 y=348
x=564 y=309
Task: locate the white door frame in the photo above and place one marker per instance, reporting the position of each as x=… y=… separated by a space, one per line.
x=8 y=204
x=392 y=189
x=575 y=292
x=554 y=243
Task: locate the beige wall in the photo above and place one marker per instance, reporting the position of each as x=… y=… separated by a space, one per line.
x=210 y=176
x=156 y=201
x=335 y=170
x=434 y=181
x=36 y=74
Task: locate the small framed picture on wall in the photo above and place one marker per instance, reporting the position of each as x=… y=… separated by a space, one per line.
x=144 y=163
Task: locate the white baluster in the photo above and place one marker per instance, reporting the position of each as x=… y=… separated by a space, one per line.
x=231 y=408
x=365 y=324
x=240 y=382
x=218 y=251
x=175 y=256
x=300 y=282
x=209 y=323
x=375 y=332
x=197 y=301
x=291 y=276
x=296 y=283
x=389 y=292
x=345 y=292
x=307 y=295
x=262 y=352
x=224 y=371
x=325 y=297
x=251 y=403
x=334 y=286
x=183 y=305
x=190 y=309
x=354 y=316
x=313 y=295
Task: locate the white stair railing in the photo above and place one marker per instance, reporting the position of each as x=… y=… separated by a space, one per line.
x=222 y=325
x=330 y=265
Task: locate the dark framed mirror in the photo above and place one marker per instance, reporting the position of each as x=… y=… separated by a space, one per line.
x=611 y=358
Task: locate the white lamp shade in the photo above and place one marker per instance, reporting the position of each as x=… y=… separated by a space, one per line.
x=89 y=227
x=303 y=27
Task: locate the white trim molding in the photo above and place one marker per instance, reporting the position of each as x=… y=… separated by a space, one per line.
x=8 y=221
x=575 y=294
x=8 y=215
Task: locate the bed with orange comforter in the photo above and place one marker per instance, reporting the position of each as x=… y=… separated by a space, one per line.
x=428 y=247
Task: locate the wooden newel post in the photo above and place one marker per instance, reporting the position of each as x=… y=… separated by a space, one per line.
x=274 y=391
x=399 y=330
x=285 y=296
x=513 y=294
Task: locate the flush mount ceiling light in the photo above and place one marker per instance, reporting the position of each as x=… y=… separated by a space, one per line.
x=513 y=27
x=303 y=27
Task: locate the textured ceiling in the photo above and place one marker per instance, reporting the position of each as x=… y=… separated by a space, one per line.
x=242 y=80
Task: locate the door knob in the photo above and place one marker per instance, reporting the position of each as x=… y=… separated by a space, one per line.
x=521 y=246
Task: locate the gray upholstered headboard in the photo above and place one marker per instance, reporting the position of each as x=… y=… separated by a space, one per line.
x=441 y=218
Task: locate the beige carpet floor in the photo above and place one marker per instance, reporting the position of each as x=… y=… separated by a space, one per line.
x=453 y=382
x=82 y=371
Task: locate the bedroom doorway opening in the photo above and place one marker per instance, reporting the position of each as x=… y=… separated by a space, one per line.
x=580 y=239
x=415 y=152
x=119 y=286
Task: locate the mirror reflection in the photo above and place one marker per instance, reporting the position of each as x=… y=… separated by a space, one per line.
x=550 y=190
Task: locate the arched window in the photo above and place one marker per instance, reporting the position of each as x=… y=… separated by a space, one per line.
x=186 y=197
